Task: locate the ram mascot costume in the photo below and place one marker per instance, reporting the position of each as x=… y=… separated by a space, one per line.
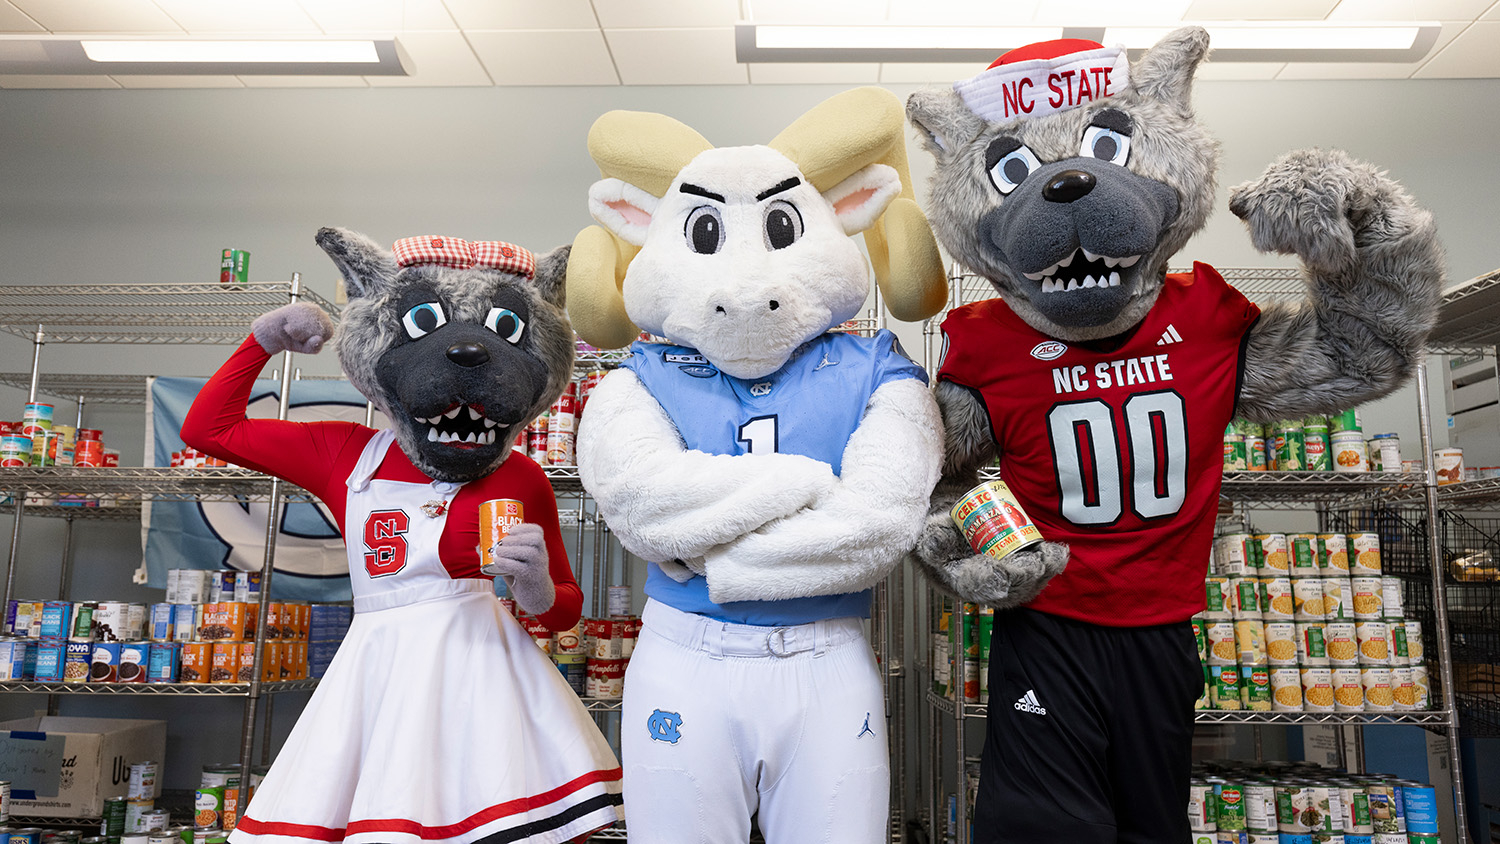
x=1069 y=178
x=438 y=719
x=771 y=470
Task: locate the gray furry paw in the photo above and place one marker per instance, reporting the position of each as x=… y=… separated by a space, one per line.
x=947 y=559
x=300 y=327
x=1321 y=205
x=521 y=560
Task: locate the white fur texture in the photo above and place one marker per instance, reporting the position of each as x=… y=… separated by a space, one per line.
x=851 y=537
x=666 y=502
x=622 y=208
x=860 y=199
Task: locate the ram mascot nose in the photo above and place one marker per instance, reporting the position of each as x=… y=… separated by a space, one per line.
x=828 y=143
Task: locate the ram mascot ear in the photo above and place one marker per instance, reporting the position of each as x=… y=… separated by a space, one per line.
x=639 y=154
x=842 y=135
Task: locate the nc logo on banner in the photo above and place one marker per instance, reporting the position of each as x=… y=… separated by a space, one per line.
x=663 y=726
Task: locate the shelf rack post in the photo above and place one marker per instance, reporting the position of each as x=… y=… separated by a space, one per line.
x=20 y=497
x=1440 y=606
x=273 y=527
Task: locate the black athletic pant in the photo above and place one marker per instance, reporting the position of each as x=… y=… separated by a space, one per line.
x=1090 y=732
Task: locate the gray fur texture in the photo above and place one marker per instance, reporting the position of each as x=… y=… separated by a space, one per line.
x=1373 y=265
x=460 y=365
x=521 y=559
x=300 y=327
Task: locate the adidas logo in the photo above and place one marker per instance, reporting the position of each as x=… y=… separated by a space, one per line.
x=1169 y=336
x=1028 y=703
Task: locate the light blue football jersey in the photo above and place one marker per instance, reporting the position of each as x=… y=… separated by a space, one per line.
x=810 y=407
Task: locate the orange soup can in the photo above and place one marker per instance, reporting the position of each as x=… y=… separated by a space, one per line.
x=992 y=520
x=496 y=517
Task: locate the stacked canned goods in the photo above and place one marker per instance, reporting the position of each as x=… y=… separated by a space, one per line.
x=550 y=438
x=216 y=803
x=192 y=458
x=37 y=441
x=1315 y=444
x=1302 y=803
x=592 y=655
x=962 y=673
x=1307 y=623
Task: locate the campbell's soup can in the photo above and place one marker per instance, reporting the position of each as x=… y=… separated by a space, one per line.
x=611 y=679
x=992 y=520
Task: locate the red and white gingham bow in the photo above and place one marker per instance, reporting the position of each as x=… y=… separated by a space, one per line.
x=461 y=254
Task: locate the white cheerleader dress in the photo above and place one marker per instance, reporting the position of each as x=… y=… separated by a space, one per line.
x=439 y=720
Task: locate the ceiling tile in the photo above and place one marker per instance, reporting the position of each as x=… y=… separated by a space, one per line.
x=379 y=16
x=270 y=81
x=1371 y=70
x=1409 y=10
x=14 y=20
x=21 y=81
x=179 y=81
x=1238 y=70
x=1472 y=55
x=263 y=16
x=799 y=73
x=961 y=12
x=532 y=57
x=439 y=59
x=848 y=12
x=1110 y=12
x=1493 y=14
x=942 y=73
x=522 y=14
x=124 y=16
x=647 y=14
x=676 y=56
x=1264 y=10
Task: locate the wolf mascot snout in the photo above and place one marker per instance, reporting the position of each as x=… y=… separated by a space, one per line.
x=1069 y=178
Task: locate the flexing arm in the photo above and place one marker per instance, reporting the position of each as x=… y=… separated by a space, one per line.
x=1374 y=268
x=851 y=538
x=666 y=502
x=942 y=551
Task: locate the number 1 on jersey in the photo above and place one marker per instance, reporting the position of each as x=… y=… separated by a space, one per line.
x=759 y=435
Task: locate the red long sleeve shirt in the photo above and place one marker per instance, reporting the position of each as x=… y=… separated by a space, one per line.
x=320 y=456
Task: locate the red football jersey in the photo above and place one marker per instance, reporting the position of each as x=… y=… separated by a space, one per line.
x=1115 y=448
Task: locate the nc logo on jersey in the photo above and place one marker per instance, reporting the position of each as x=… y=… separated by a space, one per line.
x=761 y=389
x=699 y=371
x=1048 y=350
x=663 y=726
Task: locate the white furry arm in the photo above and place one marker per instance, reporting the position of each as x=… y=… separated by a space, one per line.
x=666 y=502
x=852 y=538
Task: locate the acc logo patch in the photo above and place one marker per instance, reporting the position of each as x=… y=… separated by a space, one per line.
x=1048 y=350
x=699 y=371
x=663 y=726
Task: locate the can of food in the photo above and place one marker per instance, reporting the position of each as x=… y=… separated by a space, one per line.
x=1250 y=642
x=1235 y=458
x=1244 y=593
x=619 y=601
x=1292 y=803
x=1373 y=638
x=1421 y=688
x=234 y=267
x=1337 y=593
x=1364 y=554
x=36 y=418
x=1390 y=592
x=1229 y=558
x=1403 y=689
x=1274 y=553
x=1290 y=448
x=1333 y=554
x=1260 y=806
x=57 y=620
x=1224 y=686
x=571 y=666
x=1449 y=465
x=162 y=660
x=611 y=679
x=15 y=451
x=1302 y=548
x=992 y=520
x=1307 y=598
x=104 y=666
x=1348 y=449
x=496 y=517
x=83 y=620
x=1317 y=689
x=112 y=621
x=112 y=824
x=1415 y=652
x=1255 y=688
x=1315 y=446
x=197 y=661
x=185 y=622
x=1419 y=805
x=1356 y=806
x=1229 y=806
x=536 y=440
x=51 y=655
x=1202 y=816
x=1379 y=696
x=168 y=835
x=1341 y=642
x=1222 y=647
x=76 y=661
x=1277 y=602
x=1286 y=689
x=1312 y=649
x=1220 y=603
x=208 y=805
x=562 y=426
x=1367 y=598
x=1281 y=643
x=1386 y=814
x=1400 y=649
x=568 y=641
x=1255 y=453
x=136 y=809
x=1348 y=691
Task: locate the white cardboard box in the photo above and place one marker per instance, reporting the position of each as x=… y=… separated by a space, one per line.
x=61 y=767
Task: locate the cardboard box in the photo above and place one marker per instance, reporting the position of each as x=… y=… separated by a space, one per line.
x=63 y=767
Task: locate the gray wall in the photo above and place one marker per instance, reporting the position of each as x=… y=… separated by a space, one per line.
x=148 y=185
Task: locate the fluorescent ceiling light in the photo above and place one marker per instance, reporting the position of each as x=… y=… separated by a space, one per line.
x=52 y=54
x=1259 y=41
x=230 y=51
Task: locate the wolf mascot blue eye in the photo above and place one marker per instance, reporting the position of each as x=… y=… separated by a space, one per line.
x=1012 y=162
x=506 y=323
x=1106 y=145
x=424 y=319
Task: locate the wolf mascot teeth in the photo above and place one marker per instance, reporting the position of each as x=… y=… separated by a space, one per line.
x=438 y=719
x=1069 y=179
x=771 y=470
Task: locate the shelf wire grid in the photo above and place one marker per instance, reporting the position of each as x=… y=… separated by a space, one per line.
x=1471 y=556
x=159 y=314
x=96 y=389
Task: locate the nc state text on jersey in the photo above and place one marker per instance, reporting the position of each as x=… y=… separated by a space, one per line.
x=1127 y=372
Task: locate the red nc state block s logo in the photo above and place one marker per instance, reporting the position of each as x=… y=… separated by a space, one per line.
x=386 y=544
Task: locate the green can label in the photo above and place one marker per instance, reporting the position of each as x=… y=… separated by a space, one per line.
x=1255 y=453
x=1290 y=450
x=1315 y=448
x=1397 y=632
x=1235 y=457
x=1230 y=807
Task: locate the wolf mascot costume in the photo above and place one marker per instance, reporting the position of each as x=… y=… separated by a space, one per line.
x=771 y=470
x=1069 y=179
x=439 y=719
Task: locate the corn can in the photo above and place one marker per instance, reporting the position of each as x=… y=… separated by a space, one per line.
x=1367 y=597
x=1374 y=643
x=1333 y=554
x=1302 y=548
x=1222 y=647
x=992 y=520
x=1337 y=593
x=1390 y=596
x=1403 y=689
x=1348 y=691
x=1307 y=598
x=1277 y=602
x=1250 y=641
x=1400 y=648
x=1245 y=598
x=1317 y=689
x=1341 y=642
x=1274 y=553
x=1364 y=554
x=1379 y=697
x=1220 y=603
x=1312 y=650
x=1414 y=650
